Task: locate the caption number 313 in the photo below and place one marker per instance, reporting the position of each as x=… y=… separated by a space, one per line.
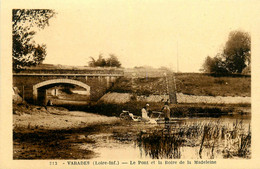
x=53 y=163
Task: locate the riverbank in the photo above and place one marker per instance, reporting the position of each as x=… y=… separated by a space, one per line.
x=108 y=140
x=54 y=132
x=33 y=118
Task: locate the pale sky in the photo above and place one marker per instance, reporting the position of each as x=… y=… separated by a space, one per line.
x=143 y=32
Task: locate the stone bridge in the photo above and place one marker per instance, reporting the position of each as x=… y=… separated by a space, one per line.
x=33 y=83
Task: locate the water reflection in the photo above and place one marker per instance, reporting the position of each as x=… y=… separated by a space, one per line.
x=191 y=138
x=208 y=138
x=161 y=146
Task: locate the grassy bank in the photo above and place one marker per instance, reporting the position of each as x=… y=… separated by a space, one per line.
x=187 y=83
x=209 y=85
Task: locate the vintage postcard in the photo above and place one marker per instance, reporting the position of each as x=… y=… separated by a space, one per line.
x=129 y=84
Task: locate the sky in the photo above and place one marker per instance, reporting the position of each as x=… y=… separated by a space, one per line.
x=143 y=33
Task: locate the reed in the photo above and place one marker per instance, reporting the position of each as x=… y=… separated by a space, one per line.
x=221 y=140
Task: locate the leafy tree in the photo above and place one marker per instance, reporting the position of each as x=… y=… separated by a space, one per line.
x=235 y=57
x=214 y=65
x=112 y=61
x=25 y=24
x=101 y=62
x=237 y=51
x=92 y=62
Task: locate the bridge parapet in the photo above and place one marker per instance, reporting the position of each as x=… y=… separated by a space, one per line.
x=86 y=71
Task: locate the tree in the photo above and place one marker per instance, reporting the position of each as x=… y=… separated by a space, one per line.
x=214 y=65
x=234 y=58
x=25 y=24
x=209 y=65
x=237 y=51
x=92 y=62
x=101 y=62
x=112 y=61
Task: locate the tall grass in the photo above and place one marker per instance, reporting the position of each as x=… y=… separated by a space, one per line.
x=214 y=137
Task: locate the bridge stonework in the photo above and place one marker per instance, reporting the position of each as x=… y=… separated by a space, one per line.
x=95 y=81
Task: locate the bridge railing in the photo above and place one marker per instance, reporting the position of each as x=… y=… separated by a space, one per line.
x=106 y=71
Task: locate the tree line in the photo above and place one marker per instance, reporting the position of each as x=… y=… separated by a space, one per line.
x=234 y=58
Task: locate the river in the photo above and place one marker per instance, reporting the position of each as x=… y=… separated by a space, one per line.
x=224 y=137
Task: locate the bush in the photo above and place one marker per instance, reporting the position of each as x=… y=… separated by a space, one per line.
x=214 y=65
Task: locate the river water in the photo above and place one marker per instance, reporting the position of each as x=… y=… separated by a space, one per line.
x=139 y=140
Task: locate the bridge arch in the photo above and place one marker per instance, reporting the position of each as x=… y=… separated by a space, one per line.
x=53 y=81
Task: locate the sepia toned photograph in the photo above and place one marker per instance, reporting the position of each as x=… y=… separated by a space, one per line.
x=132 y=81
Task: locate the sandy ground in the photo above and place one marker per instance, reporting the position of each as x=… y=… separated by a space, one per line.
x=54 y=132
x=56 y=119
